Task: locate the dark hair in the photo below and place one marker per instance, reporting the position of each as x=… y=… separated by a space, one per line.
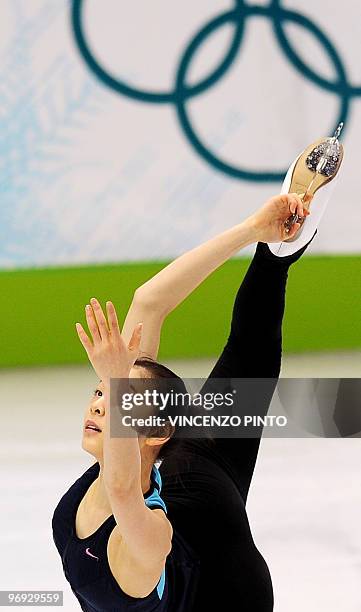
x=158 y=370
x=175 y=444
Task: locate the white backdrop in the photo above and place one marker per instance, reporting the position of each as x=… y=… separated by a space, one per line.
x=91 y=175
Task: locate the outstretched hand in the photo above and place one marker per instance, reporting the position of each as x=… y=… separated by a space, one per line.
x=106 y=350
x=271 y=217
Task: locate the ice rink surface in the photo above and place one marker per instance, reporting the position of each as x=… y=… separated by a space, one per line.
x=304 y=503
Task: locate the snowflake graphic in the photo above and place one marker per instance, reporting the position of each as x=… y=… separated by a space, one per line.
x=44 y=105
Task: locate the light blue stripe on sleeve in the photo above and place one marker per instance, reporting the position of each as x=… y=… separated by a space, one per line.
x=155 y=500
x=157 y=477
x=160 y=585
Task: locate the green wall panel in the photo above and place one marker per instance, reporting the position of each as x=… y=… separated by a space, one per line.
x=39 y=308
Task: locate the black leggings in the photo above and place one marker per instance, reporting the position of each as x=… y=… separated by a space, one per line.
x=205 y=486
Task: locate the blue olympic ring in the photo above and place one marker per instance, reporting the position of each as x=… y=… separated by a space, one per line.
x=182 y=92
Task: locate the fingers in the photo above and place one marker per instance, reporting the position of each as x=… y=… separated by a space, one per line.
x=296 y=204
x=97 y=322
x=92 y=324
x=134 y=343
x=113 y=320
x=100 y=319
x=83 y=338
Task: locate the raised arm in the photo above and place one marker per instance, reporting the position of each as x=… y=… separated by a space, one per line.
x=156 y=298
x=143 y=535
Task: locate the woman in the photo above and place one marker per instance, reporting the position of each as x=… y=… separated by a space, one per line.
x=125 y=546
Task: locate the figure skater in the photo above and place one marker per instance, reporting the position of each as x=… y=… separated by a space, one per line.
x=133 y=536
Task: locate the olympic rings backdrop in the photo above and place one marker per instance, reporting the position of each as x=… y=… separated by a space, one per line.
x=131 y=131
